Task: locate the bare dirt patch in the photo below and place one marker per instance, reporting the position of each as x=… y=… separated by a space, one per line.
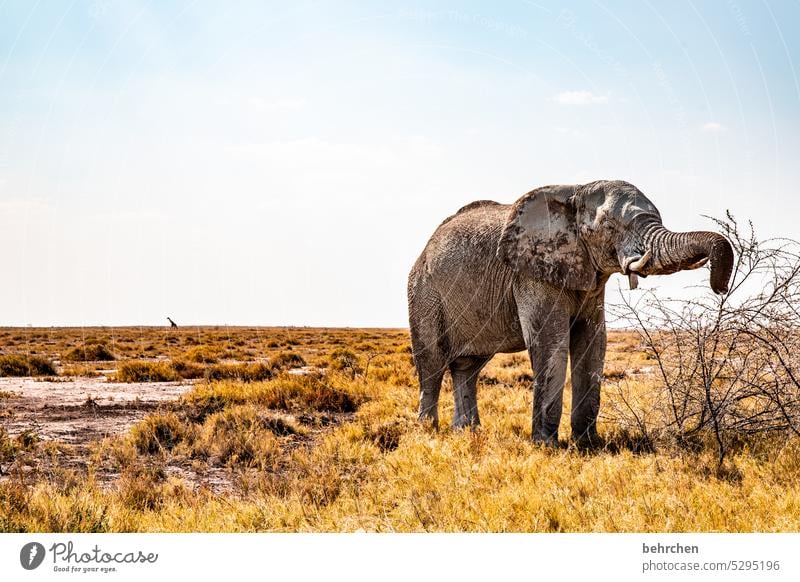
x=77 y=411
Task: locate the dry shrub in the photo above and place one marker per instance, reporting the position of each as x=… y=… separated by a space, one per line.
x=158 y=432
x=136 y=371
x=203 y=355
x=394 y=369
x=13 y=448
x=239 y=435
x=336 y=466
x=730 y=365
x=139 y=487
x=308 y=393
x=287 y=392
x=8 y=449
x=143 y=487
x=251 y=372
x=24 y=365
x=15 y=504
x=172 y=371
x=403 y=349
x=187 y=370
x=90 y=352
x=346 y=360
x=287 y=360
x=386 y=436
x=280 y=425
x=52 y=510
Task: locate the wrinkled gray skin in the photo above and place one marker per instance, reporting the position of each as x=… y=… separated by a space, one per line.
x=502 y=278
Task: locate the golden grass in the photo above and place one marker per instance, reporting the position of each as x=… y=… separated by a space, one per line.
x=88 y=353
x=25 y=365
x=342 y=451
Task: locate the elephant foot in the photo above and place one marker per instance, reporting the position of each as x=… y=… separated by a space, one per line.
x=587 y=440
x=470 y=422
x=545 y=433
x=549 y=441
x=429 y=419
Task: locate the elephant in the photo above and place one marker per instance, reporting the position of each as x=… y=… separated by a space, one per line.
x=498 y=278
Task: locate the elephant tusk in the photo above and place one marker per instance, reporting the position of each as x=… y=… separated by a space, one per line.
x=638 y=265
x=633 y=280
x=698 y=264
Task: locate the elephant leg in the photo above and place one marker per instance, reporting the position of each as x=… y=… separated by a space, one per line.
x=430 y=384
x=548 y=352
x=465 y=372
x=429 y=346
x=587 y=353
x=430 y=371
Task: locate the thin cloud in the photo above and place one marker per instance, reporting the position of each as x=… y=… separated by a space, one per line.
x=580 y=98
x=713 y=126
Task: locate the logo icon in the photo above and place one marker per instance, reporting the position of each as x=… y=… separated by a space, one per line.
x=31 y=555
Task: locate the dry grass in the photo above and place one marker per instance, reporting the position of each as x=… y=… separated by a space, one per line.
x=88 y=353
x=338 y=451
x=243 y=372
x=287 y=360
x=146 y=372
x=25 y=365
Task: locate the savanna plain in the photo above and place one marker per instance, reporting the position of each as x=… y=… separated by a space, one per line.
x=224 y=429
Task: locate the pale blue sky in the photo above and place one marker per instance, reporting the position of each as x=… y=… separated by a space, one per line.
x=285 y=163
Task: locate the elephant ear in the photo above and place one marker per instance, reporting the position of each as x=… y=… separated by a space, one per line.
x=540 y=236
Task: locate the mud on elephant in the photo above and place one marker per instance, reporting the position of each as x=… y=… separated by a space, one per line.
x=499 y=278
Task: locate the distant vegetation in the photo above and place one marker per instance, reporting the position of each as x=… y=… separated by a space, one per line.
x=23 y=365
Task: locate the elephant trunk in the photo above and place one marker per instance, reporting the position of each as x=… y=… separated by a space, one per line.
x=669 y=252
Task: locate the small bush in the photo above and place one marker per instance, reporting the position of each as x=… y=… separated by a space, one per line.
x=147 y=488
x=202 y=355
x=285 y=360
x=22 y=365
x=386 y=436
x=239 y=436
x=187 y=370
x=346 y=360
x=8 y=449
x=26 y=441
x=158 y=432
x=281 y=425
x=88 y=353
x=146 y=372
x=302 y=393
x=257 y=372
x=308 y=393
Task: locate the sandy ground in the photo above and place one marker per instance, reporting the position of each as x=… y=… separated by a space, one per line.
x=80 y=410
